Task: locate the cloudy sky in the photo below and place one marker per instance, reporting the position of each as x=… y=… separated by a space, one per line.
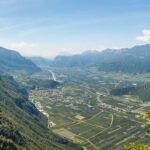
x=52 y=27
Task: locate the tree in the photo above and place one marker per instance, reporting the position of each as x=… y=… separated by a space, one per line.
x=133 y=146
x=146 y=125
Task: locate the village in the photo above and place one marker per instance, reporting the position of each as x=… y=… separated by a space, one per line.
x=56 y=95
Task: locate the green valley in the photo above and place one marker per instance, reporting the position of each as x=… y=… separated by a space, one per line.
x=82 y=109
x=74 y=75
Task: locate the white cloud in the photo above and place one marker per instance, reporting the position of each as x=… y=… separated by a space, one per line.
x=32 y=49
x=24 y=48
x=50 y=49
x=145 y=37
x=23 y=45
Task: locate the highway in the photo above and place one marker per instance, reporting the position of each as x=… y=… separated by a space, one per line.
x=53 y=75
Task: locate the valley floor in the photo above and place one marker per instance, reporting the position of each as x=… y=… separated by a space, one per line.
x=82 y=110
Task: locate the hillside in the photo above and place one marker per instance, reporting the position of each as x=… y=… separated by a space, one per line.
x=130 y=60
x=142 y=91
x=22 y=126
x=13 y=61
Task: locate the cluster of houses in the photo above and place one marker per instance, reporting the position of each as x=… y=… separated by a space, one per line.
x=108 y=106
x=57 y=96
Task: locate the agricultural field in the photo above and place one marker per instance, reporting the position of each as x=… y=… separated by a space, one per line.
x=82 y=110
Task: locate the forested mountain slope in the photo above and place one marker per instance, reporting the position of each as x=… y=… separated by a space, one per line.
x=22 y=126
x=142 y=91
x=12 y=61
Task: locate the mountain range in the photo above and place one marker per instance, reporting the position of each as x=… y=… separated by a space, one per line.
x=129 y=60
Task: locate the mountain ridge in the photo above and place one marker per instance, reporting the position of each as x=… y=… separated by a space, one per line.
x=11 y=60
x=129 y=60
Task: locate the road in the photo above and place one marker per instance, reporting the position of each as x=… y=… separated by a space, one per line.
x=112 y=120
x=98 y=97
x=53 y=75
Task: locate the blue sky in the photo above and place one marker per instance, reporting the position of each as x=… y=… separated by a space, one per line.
x=52 y=27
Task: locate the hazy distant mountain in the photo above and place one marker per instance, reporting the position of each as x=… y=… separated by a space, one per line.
x=12 y=60
x=40 y=61
x=136 y=59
